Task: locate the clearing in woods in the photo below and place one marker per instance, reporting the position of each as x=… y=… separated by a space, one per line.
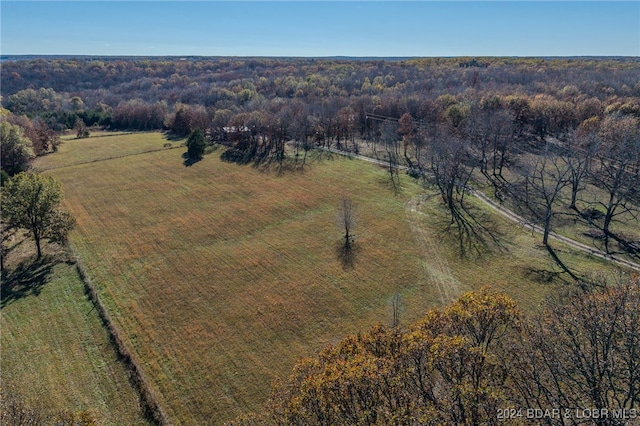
x=219 y=277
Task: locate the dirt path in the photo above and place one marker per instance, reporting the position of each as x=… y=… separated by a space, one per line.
x=517 y=219
x=436 y=267
x=568 y=241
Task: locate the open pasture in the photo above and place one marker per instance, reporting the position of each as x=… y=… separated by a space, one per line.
x=219 y=277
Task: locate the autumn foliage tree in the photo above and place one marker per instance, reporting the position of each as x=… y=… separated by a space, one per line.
x=30 y=201
x=15 y=149
x=462 y=364
x=442 y=370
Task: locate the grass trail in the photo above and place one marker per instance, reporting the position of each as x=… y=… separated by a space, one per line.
x=435 y=264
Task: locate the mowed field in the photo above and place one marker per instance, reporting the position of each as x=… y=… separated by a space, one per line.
x=56 y=354
x=219 y=277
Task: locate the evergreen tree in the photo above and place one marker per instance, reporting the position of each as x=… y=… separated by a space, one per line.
x=196 y=144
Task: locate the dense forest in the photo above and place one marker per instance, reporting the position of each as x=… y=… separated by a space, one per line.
x=331 y=97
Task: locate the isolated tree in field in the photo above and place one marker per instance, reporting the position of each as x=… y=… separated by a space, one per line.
x=15 y=149
x=196 y=144
x=346 y=218
x=30 y=201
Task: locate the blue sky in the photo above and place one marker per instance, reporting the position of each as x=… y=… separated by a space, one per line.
x=325 y=28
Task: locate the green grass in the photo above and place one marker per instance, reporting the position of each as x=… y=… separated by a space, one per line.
x=102 y=146
x=220 y=277
x=520 y=265
x=56 y=355
x=568 y=222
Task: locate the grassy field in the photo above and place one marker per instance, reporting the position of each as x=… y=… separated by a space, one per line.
x=101 y=146
x=56 y=355
x=220 y=277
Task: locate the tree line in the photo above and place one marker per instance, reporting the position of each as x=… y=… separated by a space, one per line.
x=147 y=93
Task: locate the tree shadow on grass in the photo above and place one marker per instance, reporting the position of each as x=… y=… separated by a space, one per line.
x=562 y=265
x=627 y=245
x=237 y=156
x=262 y=162
x=188 y=161
x=548 y=276
x=544 y=276
x=172 y=137
x=346 y=254
x=28 y=278
x=472 y=231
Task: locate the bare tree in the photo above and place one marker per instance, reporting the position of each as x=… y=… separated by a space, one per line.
x=542 y=190
x=346 y=218
x=583 y=353
x=490 y=130
x=390 y=139
x=618 y=170
x=543 y=184
x=577 y=155
x=451 y=168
